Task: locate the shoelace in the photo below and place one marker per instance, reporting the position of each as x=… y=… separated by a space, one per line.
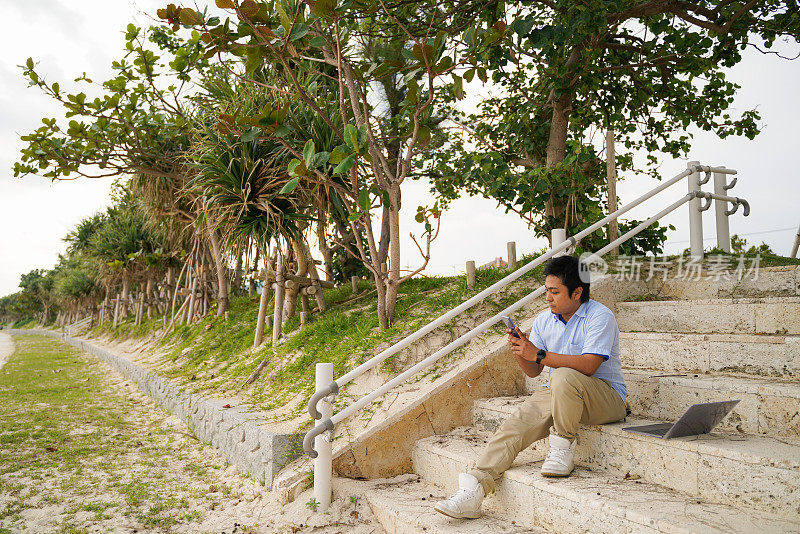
x=557 y=455
x=461 y=496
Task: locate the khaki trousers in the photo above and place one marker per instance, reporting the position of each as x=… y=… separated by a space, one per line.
x=572 y=398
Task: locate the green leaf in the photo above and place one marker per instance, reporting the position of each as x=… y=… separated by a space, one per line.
x=308 y=153
x=317 y=41
x=345 y=165
x=320 y=159
x=290 y=185
x=323 y=8
x=338 y=154
x=282 y=131
x=363 y=200
x=458 y=87
x=424 y=135
x=354 y=217
x=469 y=75
x=190 y=17
x=298 y=32
x=224 y=4
x=351 y=137
x=250 y=135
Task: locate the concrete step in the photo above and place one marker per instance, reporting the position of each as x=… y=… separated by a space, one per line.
x=404 y=505
x=754 y=471
x=766 y=355
x=586 y=501
x=768 y=315
x=768 y=405
x=770 y=282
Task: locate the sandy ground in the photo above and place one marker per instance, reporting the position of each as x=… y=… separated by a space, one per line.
x=6 y=348
x=219 y=500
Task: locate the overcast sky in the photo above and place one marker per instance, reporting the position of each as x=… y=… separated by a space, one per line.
x=68 y=38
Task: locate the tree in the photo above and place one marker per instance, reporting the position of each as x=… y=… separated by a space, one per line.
x=304 y=40
x=647 y=70
x=139 y=124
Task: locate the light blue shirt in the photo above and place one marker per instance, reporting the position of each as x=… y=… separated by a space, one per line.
x=591 y=330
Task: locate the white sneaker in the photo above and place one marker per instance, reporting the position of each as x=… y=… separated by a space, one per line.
x=466 y=502
x=559 y=460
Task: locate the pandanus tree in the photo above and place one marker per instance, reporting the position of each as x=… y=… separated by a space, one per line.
x=249 y=196
x=137 y=124
x=374 y=151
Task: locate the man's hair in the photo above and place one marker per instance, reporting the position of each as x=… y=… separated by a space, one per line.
x=572 y=273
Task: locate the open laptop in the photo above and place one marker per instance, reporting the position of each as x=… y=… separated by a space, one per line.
x=698 y=419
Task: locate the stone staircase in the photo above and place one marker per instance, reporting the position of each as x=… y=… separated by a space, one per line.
x=743 y=477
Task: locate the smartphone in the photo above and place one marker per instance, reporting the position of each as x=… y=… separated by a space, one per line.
x=510 y=324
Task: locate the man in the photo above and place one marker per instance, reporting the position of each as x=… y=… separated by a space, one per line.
x=578 y=339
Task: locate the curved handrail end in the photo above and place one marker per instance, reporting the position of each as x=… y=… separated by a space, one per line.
x=318 y=395
x=308 y=439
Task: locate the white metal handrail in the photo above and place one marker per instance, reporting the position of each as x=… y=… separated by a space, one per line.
x=321 y=393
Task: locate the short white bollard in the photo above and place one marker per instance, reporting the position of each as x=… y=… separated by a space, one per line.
x=558 y=236
x=323 y=463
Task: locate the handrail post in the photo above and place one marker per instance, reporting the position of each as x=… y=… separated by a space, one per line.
x=720 y=207
x=796 y=244
x=695 y=215
x=558 y=236
x=323 y=463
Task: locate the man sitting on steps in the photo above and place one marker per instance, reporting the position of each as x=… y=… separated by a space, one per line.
x=578 y=339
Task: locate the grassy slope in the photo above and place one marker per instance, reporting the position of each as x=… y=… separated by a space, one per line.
x=215 y=356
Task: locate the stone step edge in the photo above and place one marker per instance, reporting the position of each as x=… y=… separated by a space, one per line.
x=772 y=339
x=745 y=384
x=253 y=450
x=721 y=301
x=640 y=514
x=404 y=505
x=725 y=447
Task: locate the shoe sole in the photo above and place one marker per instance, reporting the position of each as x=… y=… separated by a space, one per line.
x=474 y=515
x=556 y=475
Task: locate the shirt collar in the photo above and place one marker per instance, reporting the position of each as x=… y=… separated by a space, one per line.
x=582 y=310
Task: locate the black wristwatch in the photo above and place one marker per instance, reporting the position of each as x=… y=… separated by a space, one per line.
x=540 y=354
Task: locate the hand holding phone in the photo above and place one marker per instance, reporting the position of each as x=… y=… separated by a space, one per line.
x=510 y=324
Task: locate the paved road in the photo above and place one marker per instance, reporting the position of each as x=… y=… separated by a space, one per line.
x=6 y=348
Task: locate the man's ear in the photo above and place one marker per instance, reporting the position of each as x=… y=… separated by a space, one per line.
x=577 y=293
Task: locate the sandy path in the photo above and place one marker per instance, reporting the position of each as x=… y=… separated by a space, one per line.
x=6 y=348
x=113 y=460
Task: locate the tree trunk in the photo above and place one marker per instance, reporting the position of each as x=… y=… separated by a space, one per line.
x=125 y=295
x=290 y=299
x=314 y=275
x=262 y=307
x=237 y=274
x=394 y=252
x=148 y=293
x=277 y=324
x=252 y=288
x=611 y=176
x=222 y=278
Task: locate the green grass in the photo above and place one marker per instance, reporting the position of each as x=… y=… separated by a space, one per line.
x=68 y=436
x=215 y=356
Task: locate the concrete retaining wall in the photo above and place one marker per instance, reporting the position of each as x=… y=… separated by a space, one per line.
x=234 y=431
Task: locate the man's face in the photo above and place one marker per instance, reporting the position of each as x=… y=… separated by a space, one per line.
x=558 y=297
